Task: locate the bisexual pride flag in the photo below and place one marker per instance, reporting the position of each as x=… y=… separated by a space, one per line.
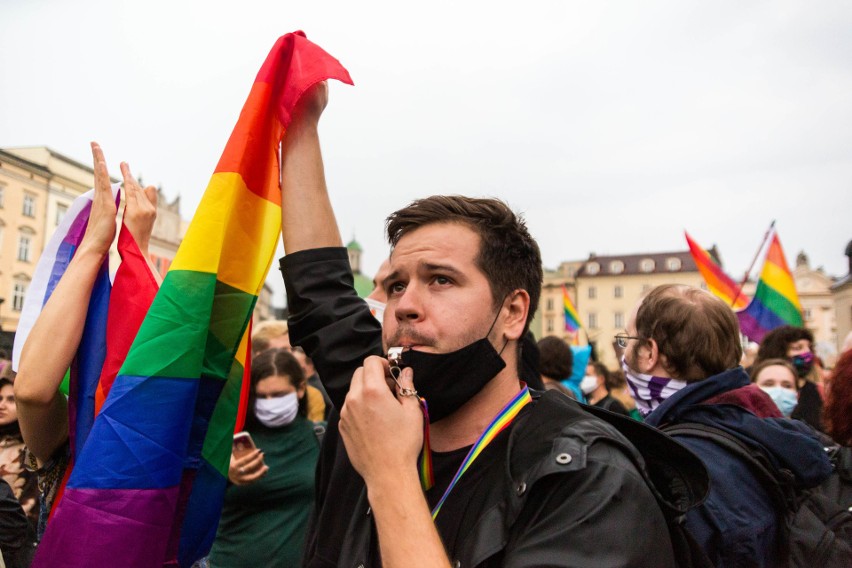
x=775 y=302
x=147 y=486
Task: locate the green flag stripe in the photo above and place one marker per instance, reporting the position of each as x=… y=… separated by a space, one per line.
x=781 y=306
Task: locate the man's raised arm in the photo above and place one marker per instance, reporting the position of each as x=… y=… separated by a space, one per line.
x=307 y=217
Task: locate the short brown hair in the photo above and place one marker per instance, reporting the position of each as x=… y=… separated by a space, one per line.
x=508 y=256
x=556 y=360
x=698 y=333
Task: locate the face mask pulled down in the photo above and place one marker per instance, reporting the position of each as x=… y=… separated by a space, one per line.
x=277 y=411
x=448 y=380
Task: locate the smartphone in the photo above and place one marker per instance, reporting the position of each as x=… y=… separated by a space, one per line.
x=243 y=444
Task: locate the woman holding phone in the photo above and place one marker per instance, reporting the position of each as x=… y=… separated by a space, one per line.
x=266 y=509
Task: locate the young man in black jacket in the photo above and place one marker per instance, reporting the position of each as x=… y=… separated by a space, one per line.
x=464 y=282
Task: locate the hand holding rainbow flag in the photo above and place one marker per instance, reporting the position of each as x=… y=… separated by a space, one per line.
x=148 y=481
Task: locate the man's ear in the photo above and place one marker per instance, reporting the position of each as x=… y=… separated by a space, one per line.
x=517 y=308
x=657 y=360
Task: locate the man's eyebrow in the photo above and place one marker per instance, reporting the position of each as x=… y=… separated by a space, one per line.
x=389 y=278
x=433 y=267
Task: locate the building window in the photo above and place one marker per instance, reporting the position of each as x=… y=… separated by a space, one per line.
x=550 y=325
x=29 y=206
x=593 y=321
x=19 y=292
x=646 y=265
x=703 y=286
x=673 y=264
x=619 y=320
x=618 y=292
x=24 y=247
x=806 y=314
x=593 y=268
x=2 y=195
x=61 y=210
x=593 y=292
x=616 y=267
x=550 y=304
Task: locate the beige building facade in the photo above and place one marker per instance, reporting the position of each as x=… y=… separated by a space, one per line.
x=37 y=187
x=818 y=313
x=604 y=290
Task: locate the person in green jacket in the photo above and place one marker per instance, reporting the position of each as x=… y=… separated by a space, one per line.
x=268 y=502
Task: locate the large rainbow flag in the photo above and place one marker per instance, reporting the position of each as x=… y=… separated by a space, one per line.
x=147 y=486
x=572 y=318
x=719 y=283
x=775 y=301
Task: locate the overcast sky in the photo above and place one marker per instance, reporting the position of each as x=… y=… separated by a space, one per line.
x=613 y=126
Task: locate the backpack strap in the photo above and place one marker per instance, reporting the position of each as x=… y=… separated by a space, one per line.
x=779 y=483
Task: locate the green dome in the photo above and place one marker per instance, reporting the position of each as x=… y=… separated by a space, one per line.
x=353 y=245
x=363 y=285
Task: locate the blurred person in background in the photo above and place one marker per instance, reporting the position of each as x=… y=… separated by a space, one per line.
x=778 y=379
x=595 y=386
x=265 y=514
x=275 y=334
x=22 y=482
x=838 y=404
x=556 y=363
x=796 y=345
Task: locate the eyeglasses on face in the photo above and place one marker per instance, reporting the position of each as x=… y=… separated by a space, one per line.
x=622 y=338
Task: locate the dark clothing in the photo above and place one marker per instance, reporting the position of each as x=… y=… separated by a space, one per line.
x=611 y=404
x=14 y=544
x=737 y=524
x=809 y=407
x=540 y=495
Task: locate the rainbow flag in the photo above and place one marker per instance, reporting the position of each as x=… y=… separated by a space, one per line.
x=775 y=301
x=148 y=485
x=572 y=318
x=719 y=283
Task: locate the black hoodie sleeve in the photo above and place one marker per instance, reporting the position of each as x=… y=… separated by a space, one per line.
x=327 y=318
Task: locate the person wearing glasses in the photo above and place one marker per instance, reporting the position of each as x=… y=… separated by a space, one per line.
x=681 y=359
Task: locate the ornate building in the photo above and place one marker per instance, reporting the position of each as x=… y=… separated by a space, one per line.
x=37 y=186
x=604 y=289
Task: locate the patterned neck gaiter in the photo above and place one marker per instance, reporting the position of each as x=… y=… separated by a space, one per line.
x=649 y=391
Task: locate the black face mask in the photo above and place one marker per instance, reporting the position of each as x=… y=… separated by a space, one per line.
x=448 y=380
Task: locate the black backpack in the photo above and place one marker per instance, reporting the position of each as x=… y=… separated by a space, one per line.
x=816 y=523
x=676 y=476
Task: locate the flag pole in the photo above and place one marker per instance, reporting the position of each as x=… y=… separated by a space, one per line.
x=753 y=261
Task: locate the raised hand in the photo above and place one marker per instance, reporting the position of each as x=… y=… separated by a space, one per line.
x=140 y=209
x=100 y=231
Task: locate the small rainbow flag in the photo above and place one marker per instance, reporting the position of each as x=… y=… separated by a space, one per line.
x=719 y=283
x=148 y=485
x=775 y=301
x=572 y=318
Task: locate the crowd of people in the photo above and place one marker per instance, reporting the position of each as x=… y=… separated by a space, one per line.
x=428 y=428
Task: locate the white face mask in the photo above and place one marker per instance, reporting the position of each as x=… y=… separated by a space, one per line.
x=377 y=308
x=589 y=384
x=277 y=411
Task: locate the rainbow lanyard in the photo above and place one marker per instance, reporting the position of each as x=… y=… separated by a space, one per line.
x=498 y=424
